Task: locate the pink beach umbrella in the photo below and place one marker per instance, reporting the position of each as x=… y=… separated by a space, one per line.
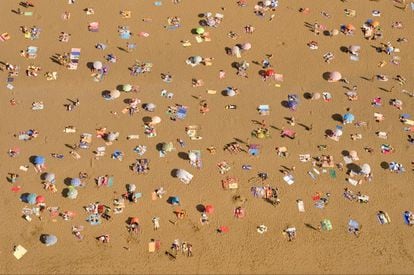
x=334 y=76
x=155 y=120
x=246 y=46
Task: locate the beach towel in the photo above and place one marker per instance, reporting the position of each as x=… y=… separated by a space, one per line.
x=32 y=52
x=278 y=77
x=301 y=205
x=264 y=110
x=406 y=217
x=354 y=57
x=289 y=179
x=125 y=34
x=311 y=175
x=19 y=252
x=93 y=27
x=172 y=27
x=332 y=173
x=94 y=219
x=74 y=58
x=383 y=217
x=4 y=37
x=198 y=39
x=196 y=162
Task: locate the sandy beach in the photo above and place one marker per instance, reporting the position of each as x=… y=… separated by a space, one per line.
x=280 y=36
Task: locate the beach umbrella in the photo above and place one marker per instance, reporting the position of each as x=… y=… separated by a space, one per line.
x=114 y=94
x=270 y=72
x=365 y=169
x=181 y=173
x=334 y=32
x=200 y=30
x=223 y=229
x=75 y=182
x=292 y=104
x=235 y=50
x=50 y=177
x=72 y=193
x=375 y=24
x=97 y=65
x=167 y=147
x=334 y=76
x=348 y=118
x=48 y=239
x=39 y=160
x=40 y=199
x=150 y=107
x=230 y=92
x=29 y=198
x=353 y=155
x=127 y=87
x=131 y=187
x=133 y=220
x=112 y=136
x=293 y=97
x=350 y=27
x=338 y=132
x=315 y=96
x=354 y=48
x=175 y=200
x=155 y=120
x=209 y=208
x=195 y=59
x=192 y=156
x=246 y=46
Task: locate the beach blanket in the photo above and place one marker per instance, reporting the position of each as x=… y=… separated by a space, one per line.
x=4 y=37
x=301 y=205
x=289 y=179
x=74 y=58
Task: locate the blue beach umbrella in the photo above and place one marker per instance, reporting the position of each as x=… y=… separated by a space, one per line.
x=75 y=182
x=48 y=239
x=348 y=118
x=28 y=198
x=39 y=160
